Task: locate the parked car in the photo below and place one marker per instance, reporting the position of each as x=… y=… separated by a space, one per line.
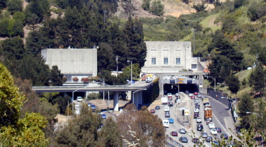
x=199 y=120
x=204 y=135
x=213 y=131
x=182 y=131
x=167 y=114
x=79 y=99
x=195 y=140
x=174 y=133
x=208 y=139
x=224 y=136
x=211 y=125
x=196 y=93
x=196 y=115
x=219 y=130
x=171 y=120
x=183 y=139
x=170 y=104
x=157 y=108
x=103 y=116
x=152 y=111
x=199 y=127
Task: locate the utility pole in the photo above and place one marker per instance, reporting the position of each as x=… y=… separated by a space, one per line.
x=104 y=15
x=116 y=60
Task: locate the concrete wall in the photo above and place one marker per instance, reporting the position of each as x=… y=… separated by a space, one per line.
x=170 y=50
x=72 y=62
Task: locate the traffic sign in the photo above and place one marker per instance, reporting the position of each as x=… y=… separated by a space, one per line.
x=186 y=112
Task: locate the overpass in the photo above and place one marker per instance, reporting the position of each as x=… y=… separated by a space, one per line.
x=135 y=88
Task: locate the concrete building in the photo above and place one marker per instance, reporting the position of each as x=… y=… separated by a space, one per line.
x=169 y=57
x=79 y=63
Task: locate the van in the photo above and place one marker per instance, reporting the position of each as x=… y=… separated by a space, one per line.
x=166 y=123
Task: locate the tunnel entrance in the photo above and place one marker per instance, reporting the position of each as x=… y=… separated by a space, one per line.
x=173 y=88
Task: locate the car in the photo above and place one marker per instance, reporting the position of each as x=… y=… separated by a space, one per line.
x=176 y=100
x=166 y=123
x=219 y=130
x=211 y=125
x=196 y=110
x=176 y=94
x=224 y=136
x=182 y=131
x=208 y=139
x=215 y=143
x=199 y=96
x=157 y=108
x=169 y=95
x=167 y=114
x=103 y=116
x=183 y=139
x=77 y=107
x=196 y=115
x=166 y=108
x=93 y=107
x=192 y=97
x=89 y=104
x=186 y=91
x=170 y=104
x=197 y=106
x=195 y=140
x=199 y=120
x=213 y=131
x=196 y=101
x=152 y=111
x=204 y=135
x=196 y=93
x=174 y=133
x=208 y=121
x=190 y=94
x=199 y=127
x=79 y=99
x=171 y=120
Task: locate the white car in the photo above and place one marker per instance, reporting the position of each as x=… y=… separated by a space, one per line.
x=211 y=125
x=166 y=123
x=199 y=96
x=190 y=94
x=79 y=99
x=196 y=100
x=166 y=108
x=196 y=110
x=199 y=120
x=213 y=131
x=176 y=94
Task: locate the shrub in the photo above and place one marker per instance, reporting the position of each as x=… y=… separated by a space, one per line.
x=157 y=8
x=75 y=79
x=85 y=80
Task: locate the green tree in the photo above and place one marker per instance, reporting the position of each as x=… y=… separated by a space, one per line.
x=19 y=16
x=257 y=78
x=233 y=83
x=157 y=8
x=56 y=76
x=14 y=6
x=3 y=4
x=262 y=56
x=238 y=3
x=200 y=7
x=146 y=5
x=245 y=105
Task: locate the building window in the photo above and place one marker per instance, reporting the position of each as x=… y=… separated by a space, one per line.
x=177 y=61
x=153 y=61
x=194 y=66
x=165 y=61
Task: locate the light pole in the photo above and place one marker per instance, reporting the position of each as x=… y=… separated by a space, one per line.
x=261 y=116
x=214 y=79
x=131 y=70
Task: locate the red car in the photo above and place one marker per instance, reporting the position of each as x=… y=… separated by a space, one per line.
x=174 y=133
x=152 y=111
x=196 y=93
x=192 y=97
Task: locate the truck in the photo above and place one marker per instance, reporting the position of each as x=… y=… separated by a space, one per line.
x=208 y=113
x=164 y=100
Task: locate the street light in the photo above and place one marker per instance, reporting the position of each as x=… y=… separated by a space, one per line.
x=131 y=69
x=261 y=116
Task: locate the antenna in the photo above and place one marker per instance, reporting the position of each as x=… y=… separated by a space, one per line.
x=116 y=60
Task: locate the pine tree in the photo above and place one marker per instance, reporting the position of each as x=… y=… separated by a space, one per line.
x=245 y=105
x=56 y=76
x=233 y=83
x=257 y=78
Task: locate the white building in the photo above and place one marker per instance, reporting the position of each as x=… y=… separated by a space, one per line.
x=169 y=57
x=79 y=63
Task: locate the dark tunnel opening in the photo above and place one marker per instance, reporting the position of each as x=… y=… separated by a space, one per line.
x=173 y=88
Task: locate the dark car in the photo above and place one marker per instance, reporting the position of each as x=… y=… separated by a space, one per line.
x=152 y=111
x=167 y=114
x=199 y=127
x=204 y=135
x=197 y=106
x=157 y=108
x=183 y=139
x=224 y=136
x=208 y=121
x=196 y=115
x=174 y=133
x=195 y=140
x=209 y=139
x=93 y=107
x=170 y=104
x=219 y=130
x=182 y=131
